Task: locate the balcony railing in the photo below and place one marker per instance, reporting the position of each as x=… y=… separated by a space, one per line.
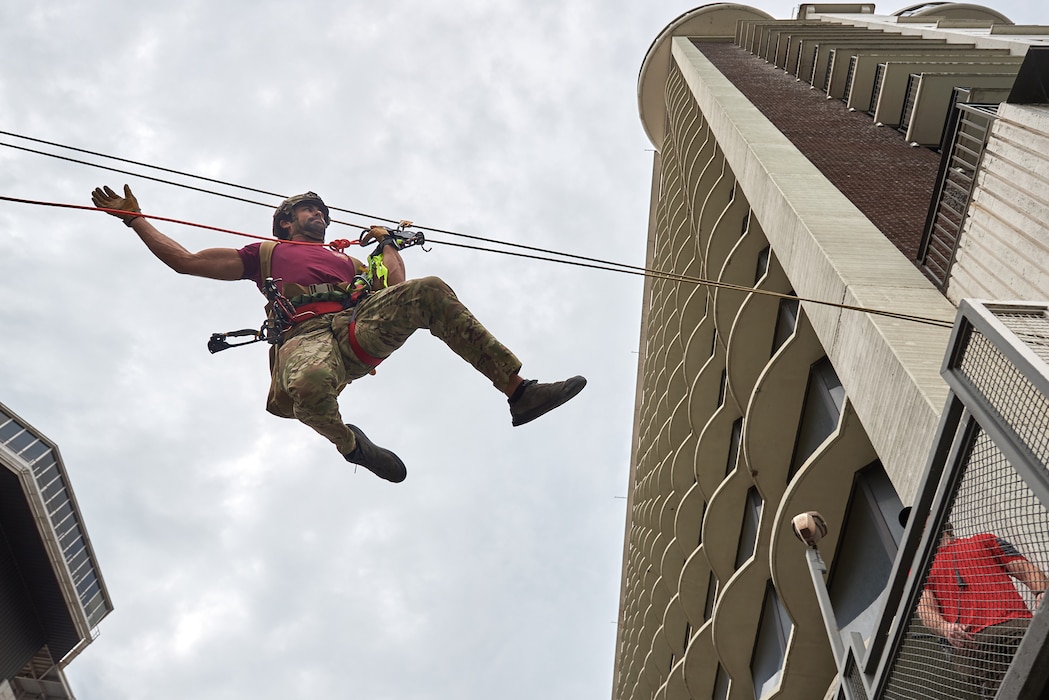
x=962 y=615
x=967 y=131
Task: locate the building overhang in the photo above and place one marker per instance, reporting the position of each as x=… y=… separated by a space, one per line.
x=47 y=537
x=715 y=21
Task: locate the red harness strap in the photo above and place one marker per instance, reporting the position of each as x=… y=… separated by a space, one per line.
x=360 y=352
x=314 y=309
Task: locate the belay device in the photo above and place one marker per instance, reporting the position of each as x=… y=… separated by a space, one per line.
x=282 y=311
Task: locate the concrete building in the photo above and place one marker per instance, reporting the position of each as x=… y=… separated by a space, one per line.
x=52 y=596
x=880 y=168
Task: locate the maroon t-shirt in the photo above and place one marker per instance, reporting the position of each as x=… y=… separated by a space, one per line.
x=299 y=264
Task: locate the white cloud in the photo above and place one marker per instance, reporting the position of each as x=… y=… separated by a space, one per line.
x=244 y=556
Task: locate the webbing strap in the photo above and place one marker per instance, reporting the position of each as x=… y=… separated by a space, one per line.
x=317 y=308
x=360 y=352
x=266 y=258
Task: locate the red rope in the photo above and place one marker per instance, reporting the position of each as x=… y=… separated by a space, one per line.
x=338 y=244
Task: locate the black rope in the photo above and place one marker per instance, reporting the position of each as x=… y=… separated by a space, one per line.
x=559 y=256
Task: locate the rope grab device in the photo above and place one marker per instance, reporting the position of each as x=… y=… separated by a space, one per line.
x=281 y=311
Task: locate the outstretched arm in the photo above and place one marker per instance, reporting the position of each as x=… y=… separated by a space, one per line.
x=214 y=263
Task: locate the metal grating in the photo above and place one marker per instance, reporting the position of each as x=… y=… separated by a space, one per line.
x=830 y=70
x=1031 y=327
x=853 y=681
x=1010 y=394
x=984 y=570
x=914 y=80
x=879 y=78
x=961 y=161
x=853 y=60
x=992 y=516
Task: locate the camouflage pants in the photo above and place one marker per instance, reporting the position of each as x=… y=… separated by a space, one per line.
x=316 y=362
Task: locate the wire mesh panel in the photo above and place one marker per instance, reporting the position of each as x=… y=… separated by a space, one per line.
x=1010 y=394
x=987 y=567
x=979 y=592
x=1031 y=327
x=852 y=681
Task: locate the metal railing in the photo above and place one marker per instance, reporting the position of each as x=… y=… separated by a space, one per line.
x=879 y=79
x=914 y=80
x=853 y=60
x=962 y=616
x=966 y=134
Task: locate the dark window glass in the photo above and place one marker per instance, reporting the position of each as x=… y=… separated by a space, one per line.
x=763 y=264
x=712 y=596
x=721 y=684
x=33 y=453
x=722 y=387
x=748 y=534
x=867 y=548
x=824 y=398
x=770 y=648
x=786 y=321
x=733 y=445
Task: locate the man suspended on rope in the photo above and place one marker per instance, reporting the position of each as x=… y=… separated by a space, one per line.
x=338 y=336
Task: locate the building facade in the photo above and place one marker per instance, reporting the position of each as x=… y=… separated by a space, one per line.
x=52 y=596
x=826 y=190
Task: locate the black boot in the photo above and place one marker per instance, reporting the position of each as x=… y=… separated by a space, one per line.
x=532 y=399
x=378 y=460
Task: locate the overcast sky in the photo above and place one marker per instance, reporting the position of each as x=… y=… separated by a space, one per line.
x=245 y=558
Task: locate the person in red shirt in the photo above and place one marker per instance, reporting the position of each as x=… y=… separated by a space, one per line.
x=970 y=600
x=340 y=335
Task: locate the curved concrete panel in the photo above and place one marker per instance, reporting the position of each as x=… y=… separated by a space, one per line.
x=716 y=20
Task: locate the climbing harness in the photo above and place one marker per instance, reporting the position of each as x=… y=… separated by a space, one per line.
x=279 y=320
x=318 y=299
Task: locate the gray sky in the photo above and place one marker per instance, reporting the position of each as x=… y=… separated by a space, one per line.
x=245 y=558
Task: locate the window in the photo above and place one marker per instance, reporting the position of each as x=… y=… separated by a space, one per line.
x=786 y=321
x=722 y=387
x=748 y=534
x=824 y=398
x=763 y=264
x=733 y=445
x=702 y=515
x=867 y=548
x=721 y=684
x=770 y=648
x=712 y=596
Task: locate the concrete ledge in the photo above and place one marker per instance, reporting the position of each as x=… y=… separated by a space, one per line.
x=831 y=251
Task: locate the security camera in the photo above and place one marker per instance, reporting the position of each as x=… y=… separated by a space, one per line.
x=809 y=527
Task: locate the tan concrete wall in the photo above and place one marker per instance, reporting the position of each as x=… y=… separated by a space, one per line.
x=1004 y=250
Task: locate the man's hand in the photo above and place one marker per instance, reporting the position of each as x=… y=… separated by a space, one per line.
x=958 y=635
x=105 y=198
x=376 y=233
